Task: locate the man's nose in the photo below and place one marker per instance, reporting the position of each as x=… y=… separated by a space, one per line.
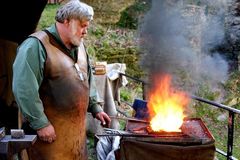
x=84 y=31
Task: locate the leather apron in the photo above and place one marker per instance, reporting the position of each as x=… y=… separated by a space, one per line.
x=65 y=97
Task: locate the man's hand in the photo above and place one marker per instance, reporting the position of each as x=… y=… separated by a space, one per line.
x=103 y=117
x=47 y=134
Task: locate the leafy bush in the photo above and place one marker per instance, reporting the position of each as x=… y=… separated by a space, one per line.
x=48 y=16
x=114 y=45
x=130 y=16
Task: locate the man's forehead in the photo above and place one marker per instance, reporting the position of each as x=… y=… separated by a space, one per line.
x=81 y=22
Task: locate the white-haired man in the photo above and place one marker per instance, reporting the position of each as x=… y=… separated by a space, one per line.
x=53 y=85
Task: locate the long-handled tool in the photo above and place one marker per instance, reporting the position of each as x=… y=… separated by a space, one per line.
x=130 y=119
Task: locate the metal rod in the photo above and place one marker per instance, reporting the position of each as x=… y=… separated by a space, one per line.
x=192 y=96
x=221 y=152
x=145 y=135
x=124 y=135
x=137 y=135
x=230 y=134
x=144 y=92
x=136 y=79
x=123 y=113
x=216 y=104
x=225 y=154
x=131 y=119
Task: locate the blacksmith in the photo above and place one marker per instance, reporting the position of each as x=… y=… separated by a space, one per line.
x=53 y=85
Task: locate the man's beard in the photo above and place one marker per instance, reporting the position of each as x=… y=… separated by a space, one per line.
x=76 y=42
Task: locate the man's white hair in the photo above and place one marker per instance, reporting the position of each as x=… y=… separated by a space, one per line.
x=74 y=9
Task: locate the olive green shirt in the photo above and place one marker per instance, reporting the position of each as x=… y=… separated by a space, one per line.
x=28 y=72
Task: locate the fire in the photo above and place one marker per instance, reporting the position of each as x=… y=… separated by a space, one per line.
x=166 y=106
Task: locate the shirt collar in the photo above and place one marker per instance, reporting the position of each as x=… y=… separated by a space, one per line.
x=53 y=30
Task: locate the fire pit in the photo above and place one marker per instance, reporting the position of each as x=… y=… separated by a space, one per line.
x=168 y=135
x=193 y=142
x=193 y=131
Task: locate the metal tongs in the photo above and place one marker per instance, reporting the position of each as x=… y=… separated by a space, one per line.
x=116 y=132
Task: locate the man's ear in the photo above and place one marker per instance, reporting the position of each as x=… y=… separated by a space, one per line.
x=66 y=22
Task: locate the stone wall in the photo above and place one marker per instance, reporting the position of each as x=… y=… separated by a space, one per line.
x=233 y=34
x=195 y=20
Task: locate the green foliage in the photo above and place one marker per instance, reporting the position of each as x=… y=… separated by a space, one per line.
x=205 y=91
x=210 y=114
x=91 y=146
x=98 y=32
x=203 y=109
x=232 y=87
x=48 y=16
x=130 y=16
x=122 y=124
x=125 y=95
x=91 y=139
x=114 y=45
x=104 y=43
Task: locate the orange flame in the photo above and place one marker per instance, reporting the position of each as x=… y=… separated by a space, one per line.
x=166 y=106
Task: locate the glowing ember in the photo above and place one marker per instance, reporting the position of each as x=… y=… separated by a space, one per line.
x=166 y=106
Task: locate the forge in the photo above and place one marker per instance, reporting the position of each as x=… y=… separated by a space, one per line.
x=193 y=132
x=162 y=130
x=193 y=142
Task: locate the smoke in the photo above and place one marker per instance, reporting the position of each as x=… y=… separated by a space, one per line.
x=179 y=39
